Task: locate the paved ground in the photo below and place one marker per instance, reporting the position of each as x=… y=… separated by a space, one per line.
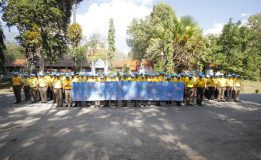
x=216 y=131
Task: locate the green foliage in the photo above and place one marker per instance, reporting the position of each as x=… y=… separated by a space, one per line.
x=237 y=49
x=170 y=43
x=14 y=51
x=112 y=48
x=50 y=17
x=2 y=50
x=96 y=48
x=74 y=34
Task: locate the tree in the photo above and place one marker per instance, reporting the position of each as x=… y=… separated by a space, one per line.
x=96 y=48
x=170 y=43
x=52 y=18
x=236 y=50
x=74 y=37
x=2 y=50
x=138 y=38
x=111 y=43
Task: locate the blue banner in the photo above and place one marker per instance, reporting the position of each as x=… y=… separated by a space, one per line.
x=154 y=91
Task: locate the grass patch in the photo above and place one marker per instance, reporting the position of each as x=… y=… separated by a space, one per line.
x=251 y=86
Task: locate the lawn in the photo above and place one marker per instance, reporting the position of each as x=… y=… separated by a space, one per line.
x=251 y=86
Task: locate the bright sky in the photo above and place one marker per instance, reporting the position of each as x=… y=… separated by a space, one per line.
x=94 y=15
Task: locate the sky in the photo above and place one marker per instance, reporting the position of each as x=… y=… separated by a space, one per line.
x=211 y=15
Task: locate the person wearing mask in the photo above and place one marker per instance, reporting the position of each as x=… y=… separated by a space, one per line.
x=43 y=83
x=221 y=85
x=33 y=83
x=17 y=86
x=58 y=90
x=211 y=87
x=67 y=86
x=189 y=84
x=26 y=87
x=201 y=85
x=237 y=87
x=229 y=88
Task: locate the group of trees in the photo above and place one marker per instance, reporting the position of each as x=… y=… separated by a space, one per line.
x=46 y=34
x=170 y=43
x=237 y=49
x=174 y=44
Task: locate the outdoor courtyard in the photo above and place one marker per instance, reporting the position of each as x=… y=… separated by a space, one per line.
x=214 y=131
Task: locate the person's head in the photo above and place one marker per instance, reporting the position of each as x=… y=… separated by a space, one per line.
x=58 y=76
x=15 y=74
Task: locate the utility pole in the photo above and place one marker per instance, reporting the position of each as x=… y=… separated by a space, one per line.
x=74 y=11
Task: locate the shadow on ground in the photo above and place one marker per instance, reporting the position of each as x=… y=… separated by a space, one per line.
x=214 y=131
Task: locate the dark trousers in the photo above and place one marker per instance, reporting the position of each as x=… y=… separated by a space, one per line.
x=59 y=96
x=27 y=92
x=17 y=93
x=50 y=93
x=211 y=91
x=229 y=93
x=200 y=94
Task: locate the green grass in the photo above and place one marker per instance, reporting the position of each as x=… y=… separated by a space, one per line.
x=251 y=86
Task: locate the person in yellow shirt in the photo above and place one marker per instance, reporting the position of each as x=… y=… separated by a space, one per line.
x=17 y=86
x=229 y=88
x=58 y=90
x=211 y=87
x=77 y=79
x=201 y=85
x=221 y=85
x=50 y=80
x=43 y=83
x=26 y=87
x=33 y=83
x=67 y=86
x=189 y=85
x=237 y=87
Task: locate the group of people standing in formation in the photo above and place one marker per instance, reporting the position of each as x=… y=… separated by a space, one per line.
x=57 y=87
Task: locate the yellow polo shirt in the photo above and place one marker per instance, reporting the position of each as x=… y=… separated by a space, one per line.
x=26 y=82
x=190 y=83
x=211 y=82
x=58 y=83
x=42 y=82
x=17 y=81
x=221 y=82
x=229 y=82
x=200 y=82
x=33 y=82
x=67 y=83
x=237 y=82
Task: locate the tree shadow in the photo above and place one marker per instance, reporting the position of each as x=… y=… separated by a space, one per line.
x=211 y=132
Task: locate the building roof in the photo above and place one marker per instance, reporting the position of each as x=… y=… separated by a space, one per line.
x=133 y=64
x=60 y=63
x=16 y=63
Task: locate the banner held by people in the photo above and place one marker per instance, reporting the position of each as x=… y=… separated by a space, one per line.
x=154 y=91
